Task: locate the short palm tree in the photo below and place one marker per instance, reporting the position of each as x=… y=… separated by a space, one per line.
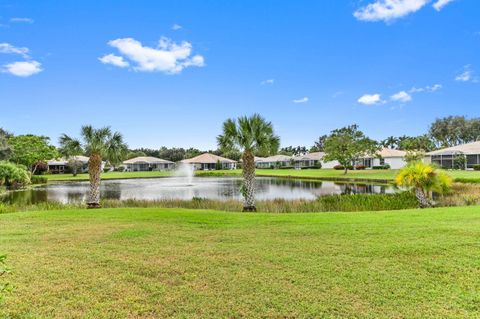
x=99 y=144
x=70 y=148
x=424 y=179
x=250 y=135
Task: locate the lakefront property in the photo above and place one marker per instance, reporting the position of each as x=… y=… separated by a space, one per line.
x=240 y=159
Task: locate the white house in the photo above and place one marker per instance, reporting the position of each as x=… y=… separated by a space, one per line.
x=386 y=156
x=274 y=161
x=313 y=160
x=445 y=157
x=208 y=161
x=147 y=163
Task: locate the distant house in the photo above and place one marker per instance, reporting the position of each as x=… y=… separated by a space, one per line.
x=147 y=163
x=274 y=161
x=208 y=161
x=60 y=166
x=386 y=156
x=445 y=157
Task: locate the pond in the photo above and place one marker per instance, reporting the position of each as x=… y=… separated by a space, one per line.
x=220 y=188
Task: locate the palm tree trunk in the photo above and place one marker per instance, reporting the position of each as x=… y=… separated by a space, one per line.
x=94 y=170
x=423 y=200
x=249 y=181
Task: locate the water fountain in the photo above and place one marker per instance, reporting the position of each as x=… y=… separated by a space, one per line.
x=186 y=171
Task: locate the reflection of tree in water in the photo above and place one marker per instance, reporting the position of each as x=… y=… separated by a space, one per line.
x=26 y=197
x=351 y=189
x=111 y=191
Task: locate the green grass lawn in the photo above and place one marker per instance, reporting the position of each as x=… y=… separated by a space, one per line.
x=109 y=175
x=158 y=263
x=379 y=175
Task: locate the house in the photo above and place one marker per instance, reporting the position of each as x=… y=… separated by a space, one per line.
x=208 y=161
x=274 y=161
x=312 y=160
x=386 y=156
x=147 y=163
x=62 y=165
x=445 y=157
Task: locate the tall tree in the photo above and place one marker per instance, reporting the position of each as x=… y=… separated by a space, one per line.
x=31 y=150
x=5 y=149
x=100 y=144
x=70 y=148
x=250 y=135
x=455 y=130
x=390 y=142
x=348 y=144
x=319 y=144
x=416 y=143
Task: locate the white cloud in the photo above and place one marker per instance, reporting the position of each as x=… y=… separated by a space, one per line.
x=21 y=20
x=269 y=82
x=467 y=75
x=401 y=96
x=176 y=27
x=10 y=49
x=302 y=100
x=427 y=88
x=370 y=99
x=440 y=4
x=388 y=10
x=114 y=60
x=22 y=69
x=168 y=57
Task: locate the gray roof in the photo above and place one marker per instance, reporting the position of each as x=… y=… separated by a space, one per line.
x=147 y=160
x=469 y=148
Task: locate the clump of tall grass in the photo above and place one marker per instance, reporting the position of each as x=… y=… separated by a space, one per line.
x=330 y=203
x=461 y=195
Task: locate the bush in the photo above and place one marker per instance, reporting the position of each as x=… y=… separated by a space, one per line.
x=120 y=169
x=38 y=179
x=341 y=167
x=106 y=169
x=360 y=167
x=386 y=166
x=13 y=176
x=476 y=167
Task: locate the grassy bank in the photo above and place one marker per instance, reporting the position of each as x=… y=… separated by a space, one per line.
x=109 y=175
x=157 y=263
x=330 y=203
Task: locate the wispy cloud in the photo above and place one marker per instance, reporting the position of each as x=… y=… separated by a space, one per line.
x=401 y=96
x=337 y=94
x=10 y=49
x=440 y=4
x=21 y=20
x=267 y=82
x=370 y=99
x=388 y=10
x=467 y=75
x=302 y=100
x=176 y=27
x=22 y=69
x=427 y=88
x=114 y=60
x=167 y=57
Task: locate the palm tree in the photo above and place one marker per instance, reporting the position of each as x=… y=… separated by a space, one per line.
x=70 y=148
x=99 y=144
x=424 y=179
x=250 y=135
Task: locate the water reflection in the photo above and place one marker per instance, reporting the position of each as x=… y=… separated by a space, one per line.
x=177 y=188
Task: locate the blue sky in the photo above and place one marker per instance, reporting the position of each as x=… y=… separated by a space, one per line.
x=169 y=72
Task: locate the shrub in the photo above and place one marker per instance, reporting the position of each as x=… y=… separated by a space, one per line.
x=38 y=179
x=120 y=168
x=386 y=166
x=476 y=167
x=106 y=169
x=13 y=176
x=360 y=167
x=341 y=167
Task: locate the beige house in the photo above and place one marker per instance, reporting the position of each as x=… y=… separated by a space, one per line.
x=61 y=165
x=208 y=161
x=147 y=163
x=445 y=157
